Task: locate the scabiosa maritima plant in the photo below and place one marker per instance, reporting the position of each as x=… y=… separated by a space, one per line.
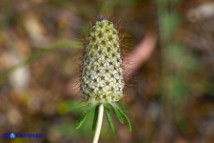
x=102 y=76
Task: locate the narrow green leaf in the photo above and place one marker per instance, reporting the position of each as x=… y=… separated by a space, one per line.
x=123 y=114
x=109 y=119
x=81 y=120
x=95 y=117
x=118 y=115
x=127 y=120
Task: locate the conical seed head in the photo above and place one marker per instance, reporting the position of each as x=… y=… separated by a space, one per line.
x=102 y=78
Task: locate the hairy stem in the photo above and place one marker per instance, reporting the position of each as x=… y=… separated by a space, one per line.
x=99 y=124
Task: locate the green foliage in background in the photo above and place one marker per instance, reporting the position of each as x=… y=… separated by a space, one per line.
x=177 y=64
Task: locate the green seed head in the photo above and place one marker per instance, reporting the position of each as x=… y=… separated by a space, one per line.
x=102 y=78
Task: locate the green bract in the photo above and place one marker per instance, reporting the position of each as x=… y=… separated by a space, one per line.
x=102 y=77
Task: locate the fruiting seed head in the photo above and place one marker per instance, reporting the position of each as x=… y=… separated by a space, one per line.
x=102 y=78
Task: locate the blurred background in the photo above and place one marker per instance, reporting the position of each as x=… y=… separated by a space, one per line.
x=170 y=99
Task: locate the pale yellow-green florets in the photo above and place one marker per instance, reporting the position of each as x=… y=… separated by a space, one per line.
x=102 y=75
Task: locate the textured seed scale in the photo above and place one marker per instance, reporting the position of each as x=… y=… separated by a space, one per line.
x=102 y=78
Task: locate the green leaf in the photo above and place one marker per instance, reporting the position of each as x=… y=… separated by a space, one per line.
x=95 y=117
x=118 y=115
x=123 y=114
x=109 y=119
x=81 y=120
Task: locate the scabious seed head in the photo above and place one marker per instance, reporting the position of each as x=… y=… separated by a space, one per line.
x=102 y=78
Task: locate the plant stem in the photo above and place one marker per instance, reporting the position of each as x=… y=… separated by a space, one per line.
x=99 y=124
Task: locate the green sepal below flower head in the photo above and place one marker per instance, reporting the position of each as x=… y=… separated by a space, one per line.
x=82 y=119
x=108 y=108
x=121 y=115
